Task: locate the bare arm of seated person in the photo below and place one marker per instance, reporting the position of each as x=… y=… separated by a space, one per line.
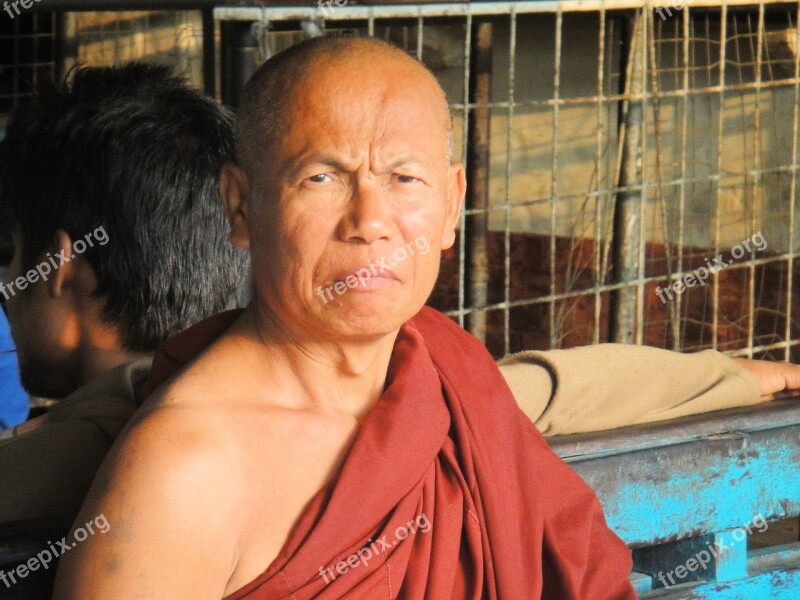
x=592 y=388
x=773 y=377
x=155 y=490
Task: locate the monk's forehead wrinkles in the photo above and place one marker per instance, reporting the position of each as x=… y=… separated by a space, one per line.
x=351 y=125
x=364 y=115
x=382 y=137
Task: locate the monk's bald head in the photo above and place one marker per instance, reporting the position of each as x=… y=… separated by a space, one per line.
x=274 y=90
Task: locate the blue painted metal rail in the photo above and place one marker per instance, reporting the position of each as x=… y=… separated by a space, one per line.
x=686 y=494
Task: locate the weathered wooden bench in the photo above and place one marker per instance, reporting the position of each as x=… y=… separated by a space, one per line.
x=685 y=496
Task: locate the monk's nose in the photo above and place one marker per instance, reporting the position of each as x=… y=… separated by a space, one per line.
x=368 y=217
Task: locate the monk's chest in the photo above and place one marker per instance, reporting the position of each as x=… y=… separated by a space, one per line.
x=285 y=460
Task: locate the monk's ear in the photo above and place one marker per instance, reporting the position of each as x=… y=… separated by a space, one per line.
x=234 y=187
x=456 y=189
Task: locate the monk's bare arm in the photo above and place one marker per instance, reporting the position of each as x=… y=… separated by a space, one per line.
x=167 y=491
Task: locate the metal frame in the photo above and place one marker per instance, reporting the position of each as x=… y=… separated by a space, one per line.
x=632 y=286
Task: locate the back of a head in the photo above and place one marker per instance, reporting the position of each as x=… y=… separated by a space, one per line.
x=136 y=152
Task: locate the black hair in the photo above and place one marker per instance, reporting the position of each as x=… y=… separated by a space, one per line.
x=134 y=152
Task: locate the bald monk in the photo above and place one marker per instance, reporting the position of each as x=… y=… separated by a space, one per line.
x=359 y=446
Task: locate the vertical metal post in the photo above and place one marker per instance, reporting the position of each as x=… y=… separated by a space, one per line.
x=239 y=59
x=627 y=220
x=602 y=182
x=792 y=193
x=720 y=175
x=59 y=24
x=512 y=52
x=555 y=318
x=209 y=54
x=478 y=156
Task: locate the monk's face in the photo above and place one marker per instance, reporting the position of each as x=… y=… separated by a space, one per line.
x=347 y=223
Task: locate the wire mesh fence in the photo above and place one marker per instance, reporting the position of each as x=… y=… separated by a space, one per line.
x=27 y=56
x=633 y=171
x=632 y=168
x=173 y=37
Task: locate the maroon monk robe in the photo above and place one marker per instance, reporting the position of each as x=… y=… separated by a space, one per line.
x=449 y=491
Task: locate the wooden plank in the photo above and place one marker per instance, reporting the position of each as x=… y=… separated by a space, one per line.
x=713 y=557
x=771 y=415
x=641 y=582
x=713 y=483
x=686 y=494
x=780 y=584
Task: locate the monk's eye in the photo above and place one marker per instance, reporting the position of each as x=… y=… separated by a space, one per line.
x=320 y=178
x=406 y=179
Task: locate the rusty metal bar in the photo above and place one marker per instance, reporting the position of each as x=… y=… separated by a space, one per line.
x=441 y=9
x=677 y=343
x=553 y=326
x=627 y=216
x=512 y=50
x=462 y=239
x=792 y=185
x=597 y=272
x=478 y=157
x=239 y=58
x=723 y=36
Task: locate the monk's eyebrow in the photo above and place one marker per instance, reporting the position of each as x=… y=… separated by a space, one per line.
x=318 y=158
x=403 y=162
x=337 y=164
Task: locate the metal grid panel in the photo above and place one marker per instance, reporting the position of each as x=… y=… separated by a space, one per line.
x=27 y=56
x=32 y=47
x=626 y=152
x=28 y=45
x=174 y=38
x=27 y=59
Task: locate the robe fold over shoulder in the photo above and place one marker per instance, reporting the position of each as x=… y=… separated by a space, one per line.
x=448 y=491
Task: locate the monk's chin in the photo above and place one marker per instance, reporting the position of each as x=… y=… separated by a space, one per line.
x=355 y=324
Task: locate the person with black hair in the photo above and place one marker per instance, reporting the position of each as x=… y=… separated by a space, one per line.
x=121 y=241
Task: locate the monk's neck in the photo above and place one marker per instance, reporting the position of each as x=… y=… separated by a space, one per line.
x=349 y=382
x=342 y=376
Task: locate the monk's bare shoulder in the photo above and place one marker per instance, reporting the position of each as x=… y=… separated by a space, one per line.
x=170 y=470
